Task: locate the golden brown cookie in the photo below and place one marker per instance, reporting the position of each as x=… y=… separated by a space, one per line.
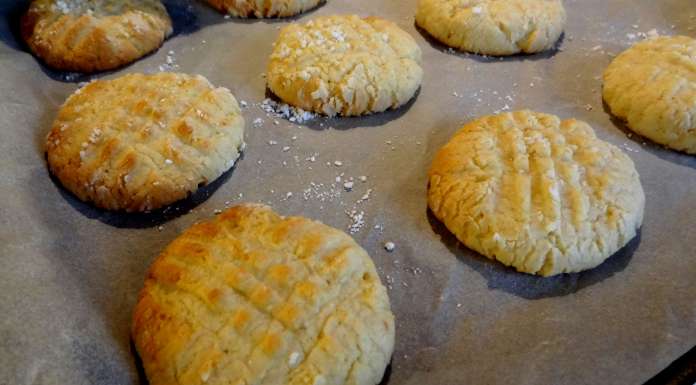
x=251 y=297
x=537 y=193
x=264 y=8
x=345 y=65
x=94 y=35
x=140 y=142
x=652 y=86
x=493 y=27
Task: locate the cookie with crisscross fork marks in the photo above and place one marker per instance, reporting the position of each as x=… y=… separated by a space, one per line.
x=140 y=142
x=251 y=297
x=652 y=86
x=493 y=27
x=345 y=65
x=94 y=35
x=542 y=195
x=264 y=8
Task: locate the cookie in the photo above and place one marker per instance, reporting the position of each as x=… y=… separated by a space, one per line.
x=493 y=27
x=542 y=195
x=652 y=86
x=139 y=142
x=251 y=297
x=264 y=8
x=94 y=35
x=345 y=65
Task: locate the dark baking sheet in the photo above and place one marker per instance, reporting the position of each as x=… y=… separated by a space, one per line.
x=69 y=274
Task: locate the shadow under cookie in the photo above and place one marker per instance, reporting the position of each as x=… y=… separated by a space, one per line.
x=154 y=218
x=376 y=119
x=481 y=58
x=501 y=277
x=252 y=18
x=661 y=151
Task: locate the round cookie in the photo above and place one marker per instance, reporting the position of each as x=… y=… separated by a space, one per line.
x=652 y=86
x=140 y=142
x=264 y=8
x=251 y=297
x=345 y=65
x=539 y=194
x=94 y=35
x=493 y=27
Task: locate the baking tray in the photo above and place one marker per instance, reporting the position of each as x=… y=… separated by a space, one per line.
x=70 y=274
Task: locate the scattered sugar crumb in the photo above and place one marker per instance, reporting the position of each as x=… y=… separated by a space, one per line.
x=357 y=220
x=285 y=111
x=366 y=196
x=169 y=63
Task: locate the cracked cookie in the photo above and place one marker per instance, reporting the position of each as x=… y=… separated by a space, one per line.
x=139 y=142
x=493 y=27
x=537 y=193
x=251 y=297
x=652 y=86
x=264 y=8
x=94 y=35
x=345 y=65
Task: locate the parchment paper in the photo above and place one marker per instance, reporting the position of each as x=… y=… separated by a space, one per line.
x=70 y=274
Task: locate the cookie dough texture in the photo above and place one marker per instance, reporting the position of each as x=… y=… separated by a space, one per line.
x=140 y=142
x=542 y=195
x=493 y=27
x=652 y=86
x=345 y=65
x=94 y=35
x=264 y=8
x=251 y=297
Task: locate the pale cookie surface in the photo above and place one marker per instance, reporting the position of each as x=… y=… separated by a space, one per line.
x=251 y=297
x=652 y=86
x=140 y=142
x=94 y=35
x=542 y=195
x=493 y=27
x=264 y=8
x=345 y=65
